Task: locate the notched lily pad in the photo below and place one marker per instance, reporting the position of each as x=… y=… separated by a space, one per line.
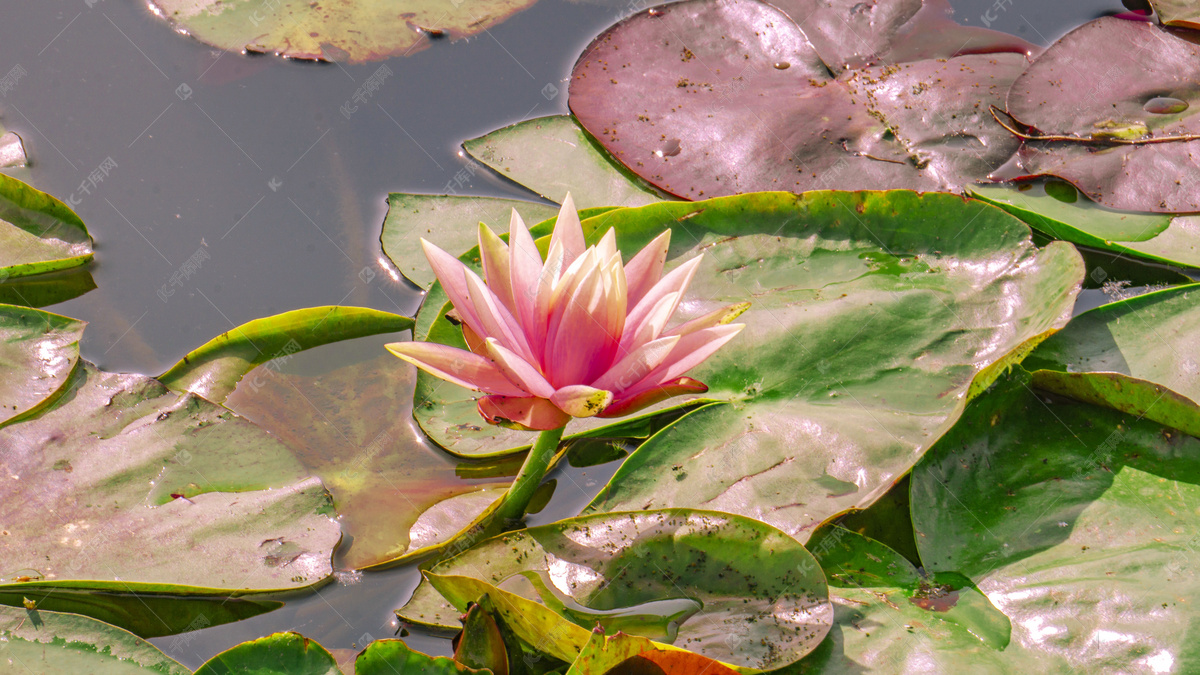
x=727 y=587
x=705 y=99
x=54 y=642
x=38 y=233
x=1078 y=89
x=38 y=352
x=351 y=31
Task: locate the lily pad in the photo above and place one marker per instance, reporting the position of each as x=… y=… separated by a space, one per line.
x=343 y=410
x=623 y=653
x=38 y=352
x=1177 y=12
x=214 y=369
x=38 y=233
x=687 y=578
x=704 y=99
x=39 y=641
x=1140 y=356
x=553 y=156
x=450 y=221
x=345 y=31
x=891 y=619
x=1075 y=521
x=50 y=288
x=1059 y=210
x=290 y=653
x=134 y=491
x=875 y=316
x=1077 y=89
x=389 y=657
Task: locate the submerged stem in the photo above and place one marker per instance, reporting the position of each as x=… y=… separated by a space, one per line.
x=516 y=500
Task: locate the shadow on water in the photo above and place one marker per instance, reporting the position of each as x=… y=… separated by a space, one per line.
x=256 y=162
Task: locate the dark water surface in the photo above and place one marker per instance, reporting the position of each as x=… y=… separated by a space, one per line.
x=250 y=160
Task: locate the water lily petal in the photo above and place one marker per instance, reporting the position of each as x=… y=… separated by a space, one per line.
x=518 y=369
x=526 y=414
x=580 y=400
x=636 y=365
x=494 y=254
x=543 y=300
x=652 y=327
x=494 y=319
x=718 y=317
x=568 y=231
x=474 y=342
x=688 y=353
x=457 y=366
x=449 y=271
x=627 y=405
x=524 y=267
x=607 y=248
x=576 y=338
x=645 y=269
x=675 y=282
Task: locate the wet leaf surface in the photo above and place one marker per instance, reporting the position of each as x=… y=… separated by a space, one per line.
x=553 y=156
x=388 y=657
x=1077 y=88
x=290 y=653
x=38 y=233
x=1177 y=12
x=1076 y=521
x=723 y=586
x=875 y=315
x=1059 y=210
x=344 y=411
x=214 y=369
x=135 y=489
x=1139 y=356
x=350 y=31
x=39 y=641
x=704 y=99
x=38 y=353
x=623 y=653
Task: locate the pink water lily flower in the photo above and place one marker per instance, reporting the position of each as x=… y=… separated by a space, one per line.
x=578 y=335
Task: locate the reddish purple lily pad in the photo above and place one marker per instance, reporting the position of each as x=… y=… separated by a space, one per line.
x=1127 y=79
x=709 y=98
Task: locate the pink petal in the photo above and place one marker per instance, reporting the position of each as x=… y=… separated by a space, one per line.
x=526 y=414
x=719 y=317
x=630 y=404
x=543 y=300
x=568 y=231
x=688 y=353
x=637 y=365
x=607 y=247
x=675 y=282
x=580 y=400
x=494 y=254
x=652 y=327
x=457 y=366
x=524 y=266
x=645 y=269
x=576 y=339
x=494 y=320
x=450 y=272
x=518 y=369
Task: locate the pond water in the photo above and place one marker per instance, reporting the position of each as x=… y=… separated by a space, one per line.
x=251 y=160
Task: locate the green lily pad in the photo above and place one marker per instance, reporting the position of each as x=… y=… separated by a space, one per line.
x=38 y=353
x=214 y=369
x=688 y=578
x=623 y=653
x=451 y=222
x=38 y=641
x=38 y=233
x=891 y=619
x=1076 y=521
x=1177 y=12
x=50 y=288
x=343 y=410
x=349 y=32
x=1139 y=356
x=289 y=653
x=134 y=491
x=1060 y=210
x=876 y=316
x=553 y=156
x=389 y=657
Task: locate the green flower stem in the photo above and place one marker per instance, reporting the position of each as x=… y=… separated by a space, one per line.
x=516 y=500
